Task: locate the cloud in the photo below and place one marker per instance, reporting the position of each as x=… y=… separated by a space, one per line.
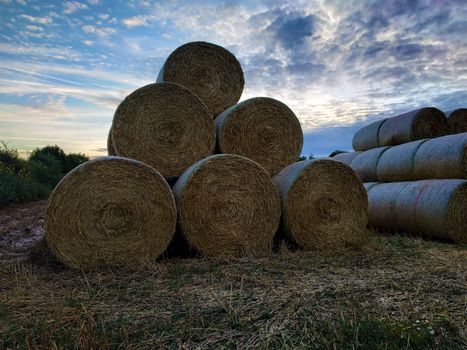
x=101 y=31
x=292 y=29
x=40 y=20
x=35 y=28
x=70 y=7
x=136 y=21
x=22 y=2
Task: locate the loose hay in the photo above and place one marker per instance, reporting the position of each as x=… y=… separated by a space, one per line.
x=435 y=208
x=367 y=137
x=210 y=71
x=345 y=157
x=365 y=164
x=324 y=204
x=457 y=120
x=419 y=124
x=442 y=158
x=227 y=206
x=163 y=125
x=110 y=211
x=262 y=129
x=110 y=145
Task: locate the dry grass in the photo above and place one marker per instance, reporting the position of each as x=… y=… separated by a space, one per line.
x=395 y=293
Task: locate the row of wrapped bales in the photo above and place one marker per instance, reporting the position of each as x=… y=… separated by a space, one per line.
x=440 y=158
x=434 y=208
x=457 y=120
x=419 y=124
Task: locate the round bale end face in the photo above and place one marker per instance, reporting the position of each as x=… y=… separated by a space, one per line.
x=165 y=126
x=456 y=220
x=110 y=211
x=325 y=205
x=210 y=71
x=262 y=129
x=228 y=206
x=430 y=122
x=110 y=145
x=457 y=120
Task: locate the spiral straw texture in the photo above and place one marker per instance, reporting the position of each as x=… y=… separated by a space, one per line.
x=110 y=211
x=324 y=204
x=165 y=126
x=227 y=206
x=210 y=71
x=262 y=129
x=457 y=120
x=110 y=145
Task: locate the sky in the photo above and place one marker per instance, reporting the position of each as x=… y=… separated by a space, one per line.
x=66 y=65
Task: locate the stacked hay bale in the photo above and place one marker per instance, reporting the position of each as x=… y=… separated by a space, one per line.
x=417 y=185
x=457 y=120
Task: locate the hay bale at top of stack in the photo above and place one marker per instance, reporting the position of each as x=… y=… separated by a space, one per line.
x=210 y=71
x=165 y=126
x=262 y=129
x=419 y=124
x=457 y=120
x=110 y=145
x=324 y=204
x=227 y=206
x=110 y=211
x=435 y=208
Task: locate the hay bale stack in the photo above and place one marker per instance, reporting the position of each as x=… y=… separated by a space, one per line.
x=367 y=137
x=365 y=164
x=436 y=208
x=442 y=158
x=210 y=71
x=324 y=204
x=227 y=206
x=419 y=124
x=110 y=144
x=397 y=163
x=345 y=157
x=262 y=129
x=110 y=211
x=165 y=126
x=457 y=120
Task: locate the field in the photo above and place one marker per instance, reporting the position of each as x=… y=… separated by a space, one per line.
x=397 y=292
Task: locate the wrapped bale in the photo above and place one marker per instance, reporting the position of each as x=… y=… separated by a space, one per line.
x=367 y=137
x=435 y=208
x=345 y=157
x=457 y=120
x=227 y=206
x=442 y=158
x=397 y=163
x=365 y=164
x=110 y=211
x=324 y=204
x=262 y=129
x=210 y=71
x=165 y=126
x=110 y=145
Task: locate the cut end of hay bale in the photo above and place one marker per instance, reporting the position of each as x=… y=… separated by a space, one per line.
x=456 y=221
x=165 y=126
x=324 y=204
x=262 y=129
x=228 y=206
x=110 y=144
x=457 y=120
x=110 y=211
x=210 y=71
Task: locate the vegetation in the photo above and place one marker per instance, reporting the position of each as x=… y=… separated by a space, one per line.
x=24 y=180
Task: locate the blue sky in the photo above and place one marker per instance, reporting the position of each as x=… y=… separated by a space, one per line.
x=65 y=65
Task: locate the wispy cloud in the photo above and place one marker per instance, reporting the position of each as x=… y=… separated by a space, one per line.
x=70 y=7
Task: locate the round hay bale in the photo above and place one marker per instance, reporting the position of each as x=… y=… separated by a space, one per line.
x=324 y=204
x=209 y=70
x=262 y=129
x=365 y=164
x=424 y=123
x=457 y=120
x=442 y=158
x=227 y=206
x=367 y=137
x=345 y=157
x=110 y=211
x=397 y=163
x=436 y=208
x=110 y=145
x=382 y=201
x=165 y=126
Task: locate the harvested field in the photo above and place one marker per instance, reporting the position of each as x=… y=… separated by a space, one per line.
x=394 y=293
